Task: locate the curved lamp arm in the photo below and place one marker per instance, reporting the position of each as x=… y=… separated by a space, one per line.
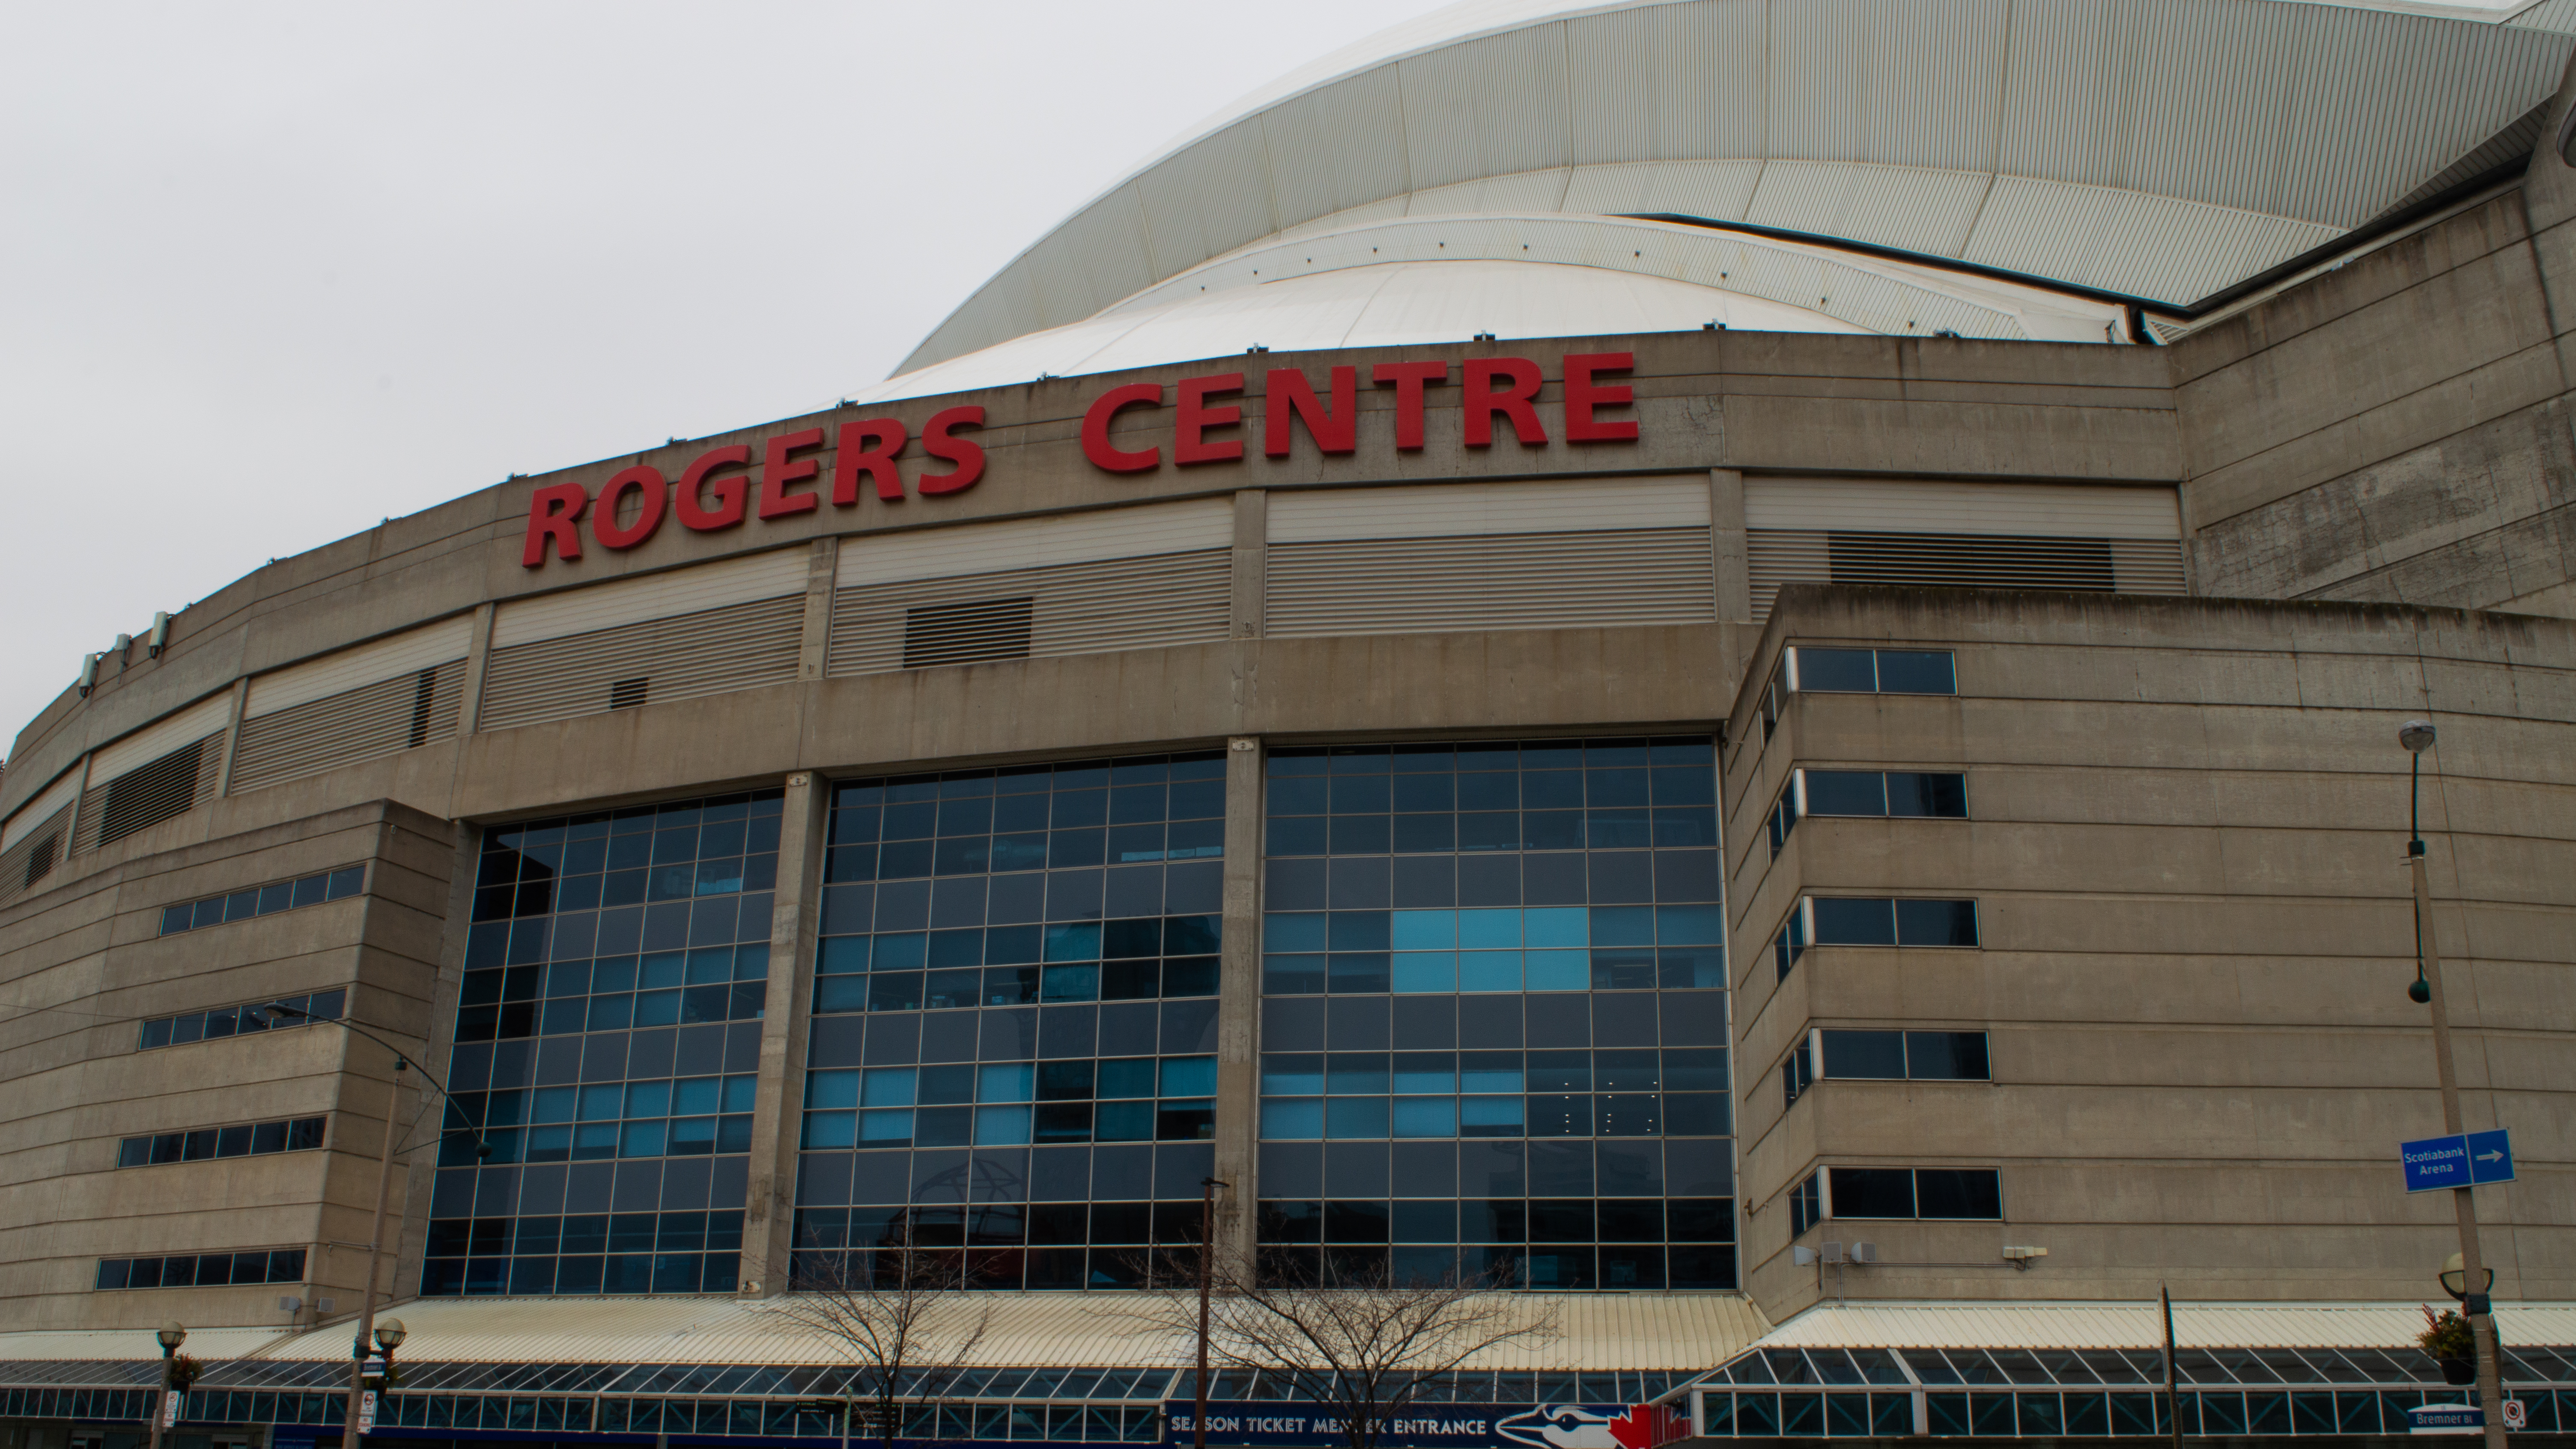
x=402 y=1058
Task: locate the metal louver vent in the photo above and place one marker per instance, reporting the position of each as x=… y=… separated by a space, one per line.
x=1959 y=560
x=935 y=634
x=34 y=856
x=713 y=651
x=366 y=723
x=630 y=693
x=1153 y=602
x=148 y=794
x=1594 y=579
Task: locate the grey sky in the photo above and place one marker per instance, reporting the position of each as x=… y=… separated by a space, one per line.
x=269 y=274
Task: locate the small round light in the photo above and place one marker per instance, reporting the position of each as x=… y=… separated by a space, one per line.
x=2416 y=735
x=171 y=1334
x=390 y=1334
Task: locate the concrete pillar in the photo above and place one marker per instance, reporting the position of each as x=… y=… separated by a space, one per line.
x=1238 y=1035
x=822 y=570
x=1728 y=547
x=1251 y=562
x=232 y=738
x=769 y=1211
x=478 y=656
x=409 y=1238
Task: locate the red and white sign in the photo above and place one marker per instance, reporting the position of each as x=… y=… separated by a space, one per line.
x=721 y=489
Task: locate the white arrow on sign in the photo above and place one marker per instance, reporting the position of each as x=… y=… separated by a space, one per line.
x=2491 y=1157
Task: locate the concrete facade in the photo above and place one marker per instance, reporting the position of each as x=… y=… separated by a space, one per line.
x=2182 y=830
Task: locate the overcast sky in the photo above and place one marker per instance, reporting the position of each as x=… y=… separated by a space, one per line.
x=271 y=274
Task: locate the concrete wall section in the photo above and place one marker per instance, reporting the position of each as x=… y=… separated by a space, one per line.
x=2185 y=834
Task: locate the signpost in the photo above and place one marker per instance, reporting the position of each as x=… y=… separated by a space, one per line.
x=2465 y=1159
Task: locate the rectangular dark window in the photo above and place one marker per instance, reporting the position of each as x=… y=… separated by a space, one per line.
x=1790 y=943
x=247 y=1139
x=1909 y=1192
x=1873 y=671
x=240 y=1020
x=1872 y=1192
x=280 y=1265
x=936 y=634
x=1805 y=1204
x=1867 y=1055
x=1929 y=794
x=1936 y=923
x=1842 y=921
x=1913 y=794
x=285 y=895
x=1946 y=1056
x=1845 y=792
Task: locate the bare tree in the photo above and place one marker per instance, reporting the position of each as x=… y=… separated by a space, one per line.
x=899 y=1315
x=1366 y=1347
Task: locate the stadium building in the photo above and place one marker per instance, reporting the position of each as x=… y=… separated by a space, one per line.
x=1823 y=796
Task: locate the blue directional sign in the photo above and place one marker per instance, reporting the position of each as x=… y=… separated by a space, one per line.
x=2461 y=1160
x=2446 y=1419
x=2490 y=1157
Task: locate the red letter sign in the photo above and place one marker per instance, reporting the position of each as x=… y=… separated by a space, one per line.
x=728 y=491
x=603 y=523
x=1095 y=429
x=966 y=453
x=1189 y=444
x=856 y=454
x=1291 y=396
x=1513 y=401
x=776 y=472
x=1582 y=395
x=551 y=511
x=1409 y=378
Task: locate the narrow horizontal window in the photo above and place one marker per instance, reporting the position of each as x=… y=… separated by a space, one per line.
x=1913 y=1192
x=1880 y=921
x=226 y=1021
x=247 y=1139
x=264 y=900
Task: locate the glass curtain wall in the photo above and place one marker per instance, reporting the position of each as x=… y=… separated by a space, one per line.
x=1493 y=1035
x=607 y=1038
x=1013 y=1050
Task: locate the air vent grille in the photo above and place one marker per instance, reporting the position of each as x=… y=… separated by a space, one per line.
x=713 y=651
x=150 y=793
x=366 y=723
x=34 y=857
x=1959 y=560
x=1604 y=579
x=1152 y=602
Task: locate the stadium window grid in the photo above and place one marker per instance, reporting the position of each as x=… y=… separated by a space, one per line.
x=1866 y=795
x=1913 y=922
x=1828 y=1054
x=2099 y=1392
x=1571 y=1092
x=1107 y=1099
x=242 y=1139
x=647 y=1117
x=264 y=900
x=244 y=1020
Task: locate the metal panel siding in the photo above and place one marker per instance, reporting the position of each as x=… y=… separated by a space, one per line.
x=1465 y=509
x=2347 y=150
x=2168 y=250
x=1106 y=254
x=1667 y=81
x=1908 y=82
x=735 y=646
x=1524 y=191
x=2069 y=91
x=1336 y=148
x=1091 y=607
x=1490 y=581
x=2125 y=1325
x=1487 y=107
x=1909 y=207
x=1211 y=198
x=205 y=717
x=977 y=548
x=2065 y=510
x=366 y=723
x=1710 y=190
x=2214 y=97
x=2558 y=16
x=656 y=596
x=35 y=812
x=404 y=654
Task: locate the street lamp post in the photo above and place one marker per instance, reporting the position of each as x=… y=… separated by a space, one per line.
x=1207 y=1270
x=171 y=1336
x=376 y=1231
x=2417 y=736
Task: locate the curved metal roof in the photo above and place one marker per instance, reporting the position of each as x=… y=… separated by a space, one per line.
x=2157 y=149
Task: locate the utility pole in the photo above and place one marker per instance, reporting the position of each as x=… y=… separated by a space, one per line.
x=2417 y=736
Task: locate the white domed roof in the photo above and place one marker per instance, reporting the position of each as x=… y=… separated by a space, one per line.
x=2156 y=151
